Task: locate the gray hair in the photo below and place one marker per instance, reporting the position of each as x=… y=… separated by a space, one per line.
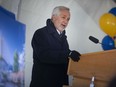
x=56 y=10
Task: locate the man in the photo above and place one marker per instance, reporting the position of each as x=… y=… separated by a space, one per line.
x=51 y=51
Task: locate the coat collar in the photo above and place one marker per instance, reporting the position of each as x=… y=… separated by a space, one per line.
x=50 y=26
x=52 y=30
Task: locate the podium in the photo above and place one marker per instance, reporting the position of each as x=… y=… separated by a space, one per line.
x=101 y=65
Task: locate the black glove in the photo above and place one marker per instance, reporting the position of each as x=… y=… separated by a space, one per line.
x=74 y=55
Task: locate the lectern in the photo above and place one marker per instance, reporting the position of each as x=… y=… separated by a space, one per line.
x=101 y=65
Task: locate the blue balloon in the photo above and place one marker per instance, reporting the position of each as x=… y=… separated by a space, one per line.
x=108 y=43
x=113 y=11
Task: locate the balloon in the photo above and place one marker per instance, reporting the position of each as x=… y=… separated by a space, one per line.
x=113 y=11
x=108 y=43
x=108 y=24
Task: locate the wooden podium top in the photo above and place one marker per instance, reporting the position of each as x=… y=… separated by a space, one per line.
x=102 y=65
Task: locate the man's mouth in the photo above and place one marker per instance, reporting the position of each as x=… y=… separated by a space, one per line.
x=63 y=25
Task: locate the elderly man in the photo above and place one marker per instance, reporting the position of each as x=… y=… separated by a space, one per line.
x=51 y=51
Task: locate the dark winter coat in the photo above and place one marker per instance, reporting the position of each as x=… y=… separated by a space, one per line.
x=50 y=57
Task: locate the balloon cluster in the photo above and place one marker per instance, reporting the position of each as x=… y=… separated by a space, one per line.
x=108 y=25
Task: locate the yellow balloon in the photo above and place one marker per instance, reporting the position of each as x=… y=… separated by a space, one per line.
x=108 y=24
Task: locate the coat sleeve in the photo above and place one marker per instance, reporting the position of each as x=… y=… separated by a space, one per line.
x=44 y=54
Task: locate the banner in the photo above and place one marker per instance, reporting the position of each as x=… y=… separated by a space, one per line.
x=12 y=50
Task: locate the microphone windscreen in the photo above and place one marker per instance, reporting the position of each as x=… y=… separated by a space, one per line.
x=93 y=39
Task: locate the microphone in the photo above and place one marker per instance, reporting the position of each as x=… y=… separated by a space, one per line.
x=93 y=39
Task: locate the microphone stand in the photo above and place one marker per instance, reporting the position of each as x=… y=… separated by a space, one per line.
x=106 y=45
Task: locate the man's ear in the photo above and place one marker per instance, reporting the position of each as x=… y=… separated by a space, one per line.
x=53 y=17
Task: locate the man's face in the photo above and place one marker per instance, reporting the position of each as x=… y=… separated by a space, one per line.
x=61 y=21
